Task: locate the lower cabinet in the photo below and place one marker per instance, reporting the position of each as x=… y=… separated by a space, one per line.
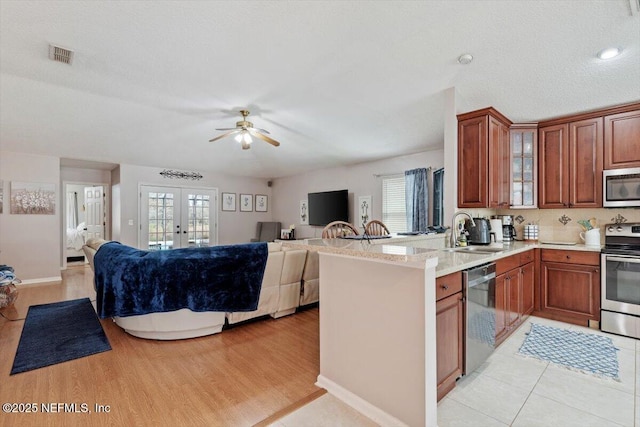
x=514 y=293
x=570 y=286
x=449 y=332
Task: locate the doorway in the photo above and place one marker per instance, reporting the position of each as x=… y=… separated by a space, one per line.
x=85 y=217
x=176 y=217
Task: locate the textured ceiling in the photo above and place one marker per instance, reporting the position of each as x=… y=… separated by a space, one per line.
x=335 y=82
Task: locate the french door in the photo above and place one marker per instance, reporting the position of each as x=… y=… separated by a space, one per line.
x=172 y=217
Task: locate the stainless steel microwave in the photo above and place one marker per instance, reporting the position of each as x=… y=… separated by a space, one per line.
x=621 y=188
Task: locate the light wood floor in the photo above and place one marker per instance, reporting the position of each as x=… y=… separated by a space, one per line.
x=236 y=378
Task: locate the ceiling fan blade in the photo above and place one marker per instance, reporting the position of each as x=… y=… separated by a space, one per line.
x=224 y=135
x=257 y=134
x=227 y=128
x=263 y=131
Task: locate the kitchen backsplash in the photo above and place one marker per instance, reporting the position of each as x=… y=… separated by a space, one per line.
x=561 y=224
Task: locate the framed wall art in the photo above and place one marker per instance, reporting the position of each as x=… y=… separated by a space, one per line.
x=364 y=208
x=229 y=202
x=304 y=212
x=261 y=203
x=246 y=202
x=33 y=198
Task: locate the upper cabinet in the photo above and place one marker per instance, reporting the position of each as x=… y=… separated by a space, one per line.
x=524 y=147
x=622 y=140
x=483 y=159
x=570 y=164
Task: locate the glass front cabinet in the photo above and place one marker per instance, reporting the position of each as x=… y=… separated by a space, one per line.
x=524 y=168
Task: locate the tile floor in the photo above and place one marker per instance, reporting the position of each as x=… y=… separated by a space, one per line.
x=511 y=390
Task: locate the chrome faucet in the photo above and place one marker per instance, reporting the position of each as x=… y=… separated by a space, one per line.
x=454 y=228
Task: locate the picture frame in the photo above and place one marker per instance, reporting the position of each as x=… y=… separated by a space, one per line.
x=32 y=198
x=246 y=202
x=364 y=209
x=261 y=203
x=304 y=212
x=229 y=202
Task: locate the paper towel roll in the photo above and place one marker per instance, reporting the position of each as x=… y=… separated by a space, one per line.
x=496 y=228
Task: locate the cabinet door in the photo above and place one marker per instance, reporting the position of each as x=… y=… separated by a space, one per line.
x=498 y=164
x=502 y=306
x=553 y=167
x=621 y=140
x=513 y=290
x=570 y=292
x=449 y=342
x=585 y=163
x=472 y=163
x=527 y=281
x=523 y=165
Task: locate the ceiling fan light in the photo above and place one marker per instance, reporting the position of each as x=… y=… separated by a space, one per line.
x=247 y=138
x=238 y=137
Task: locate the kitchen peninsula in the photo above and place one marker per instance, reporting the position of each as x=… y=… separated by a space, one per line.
x=377 y=328
x=378 y=311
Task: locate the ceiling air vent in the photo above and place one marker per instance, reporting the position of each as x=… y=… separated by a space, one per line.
x=60 y=54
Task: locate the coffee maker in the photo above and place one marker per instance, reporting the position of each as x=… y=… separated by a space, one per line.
x=508 y=230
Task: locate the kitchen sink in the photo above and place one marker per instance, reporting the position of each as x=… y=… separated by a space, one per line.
x=481 y=250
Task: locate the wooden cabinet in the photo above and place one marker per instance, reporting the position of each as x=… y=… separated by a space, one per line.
x=449 y=331
x=523 y=161
x=483 y=165
x=622 y=140
x=570 y=286
x=514 y=292
x=570 y=164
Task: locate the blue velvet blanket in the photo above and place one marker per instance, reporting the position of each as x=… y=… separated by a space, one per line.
x=131 y=281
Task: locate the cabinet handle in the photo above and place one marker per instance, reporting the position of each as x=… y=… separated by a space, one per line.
x=596 y=270
x=568 y=257
x=445 y=287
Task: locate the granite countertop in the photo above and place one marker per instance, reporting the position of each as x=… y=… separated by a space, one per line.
x=450 y=262
x=402 y=249
x=361 y=248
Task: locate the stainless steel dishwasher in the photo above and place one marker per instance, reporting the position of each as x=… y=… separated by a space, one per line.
x=480 y=316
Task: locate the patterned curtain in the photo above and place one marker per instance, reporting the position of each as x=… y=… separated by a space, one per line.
x=416 y=199
x=438 y=197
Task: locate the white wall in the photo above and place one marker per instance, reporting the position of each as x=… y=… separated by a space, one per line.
x=358 y=179
x=233 y=227
x=30 y=243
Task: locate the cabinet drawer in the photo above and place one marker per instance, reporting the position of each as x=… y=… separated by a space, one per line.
x=509 y=263
x=526 y=257
x=571 y=257
x=448 y=285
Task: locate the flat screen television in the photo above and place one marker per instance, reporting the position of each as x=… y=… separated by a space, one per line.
x=328 y=206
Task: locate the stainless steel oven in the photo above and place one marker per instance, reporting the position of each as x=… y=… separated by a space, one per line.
x=620 y=280
x=621 y=188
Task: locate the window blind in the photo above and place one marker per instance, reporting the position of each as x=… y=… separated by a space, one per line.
x=393 y=204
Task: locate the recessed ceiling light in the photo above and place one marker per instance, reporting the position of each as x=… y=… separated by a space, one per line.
x=608 y=53
x=465 y=59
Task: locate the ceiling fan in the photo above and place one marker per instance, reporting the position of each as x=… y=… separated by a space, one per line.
x=243 y=132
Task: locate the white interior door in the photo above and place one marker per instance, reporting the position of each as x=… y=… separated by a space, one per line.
x=172 y=217
x=94 y=211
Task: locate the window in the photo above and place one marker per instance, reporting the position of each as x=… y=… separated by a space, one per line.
x=393 y=204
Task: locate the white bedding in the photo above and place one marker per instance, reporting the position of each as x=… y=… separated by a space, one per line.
x=76 y=237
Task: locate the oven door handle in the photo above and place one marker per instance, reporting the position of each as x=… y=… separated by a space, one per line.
x=633 y=260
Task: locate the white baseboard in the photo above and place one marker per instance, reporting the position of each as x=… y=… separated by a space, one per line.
x=43 y=280
x=359 y=404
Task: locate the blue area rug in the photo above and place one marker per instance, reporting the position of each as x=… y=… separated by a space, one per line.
x=588 y=353
x=55 y=333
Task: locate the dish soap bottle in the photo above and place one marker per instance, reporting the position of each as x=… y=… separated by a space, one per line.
x=462 y=240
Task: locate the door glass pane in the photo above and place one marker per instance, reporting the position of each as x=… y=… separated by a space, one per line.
x=516 y=144
x=198 y=230
x=527 y=148
x=160 y=221
x=517 y=169
x=527 y=174
x=527 y=194
x=517 y=193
